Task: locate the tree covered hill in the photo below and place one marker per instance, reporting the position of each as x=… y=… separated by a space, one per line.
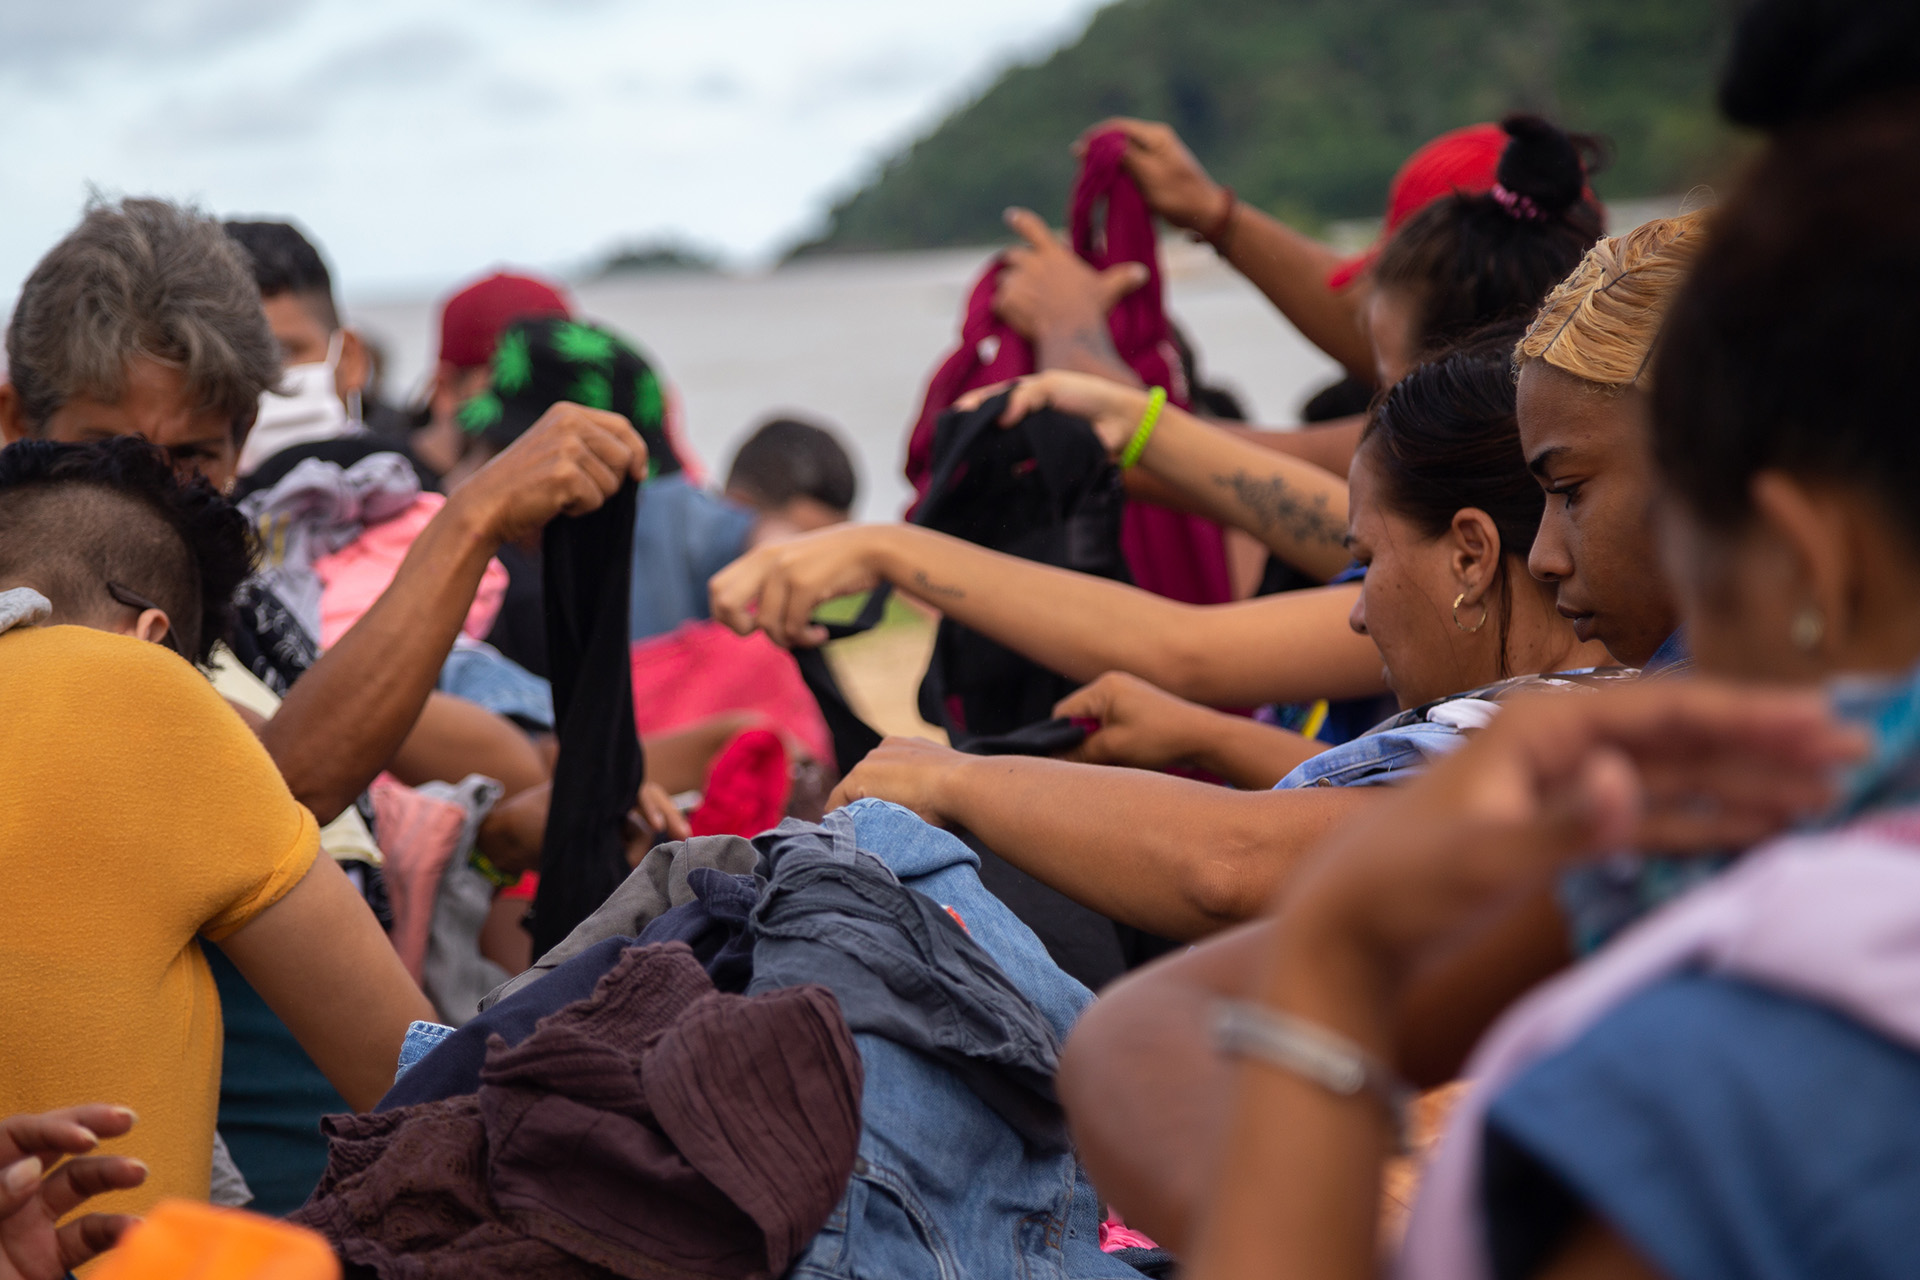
x=1306 y=107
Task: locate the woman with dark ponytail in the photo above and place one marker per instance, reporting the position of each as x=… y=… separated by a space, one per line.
x=1471 y=260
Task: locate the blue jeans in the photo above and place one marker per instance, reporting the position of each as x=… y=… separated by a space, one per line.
x=482 y=674
x=942 y=1185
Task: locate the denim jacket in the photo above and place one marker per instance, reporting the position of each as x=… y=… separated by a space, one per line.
x=942 y=1185
x=1396 y=749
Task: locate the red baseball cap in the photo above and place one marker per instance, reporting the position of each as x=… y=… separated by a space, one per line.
x=472 y=320
x=1461 y=160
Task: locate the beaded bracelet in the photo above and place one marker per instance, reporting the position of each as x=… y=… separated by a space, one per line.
x=1156 y=401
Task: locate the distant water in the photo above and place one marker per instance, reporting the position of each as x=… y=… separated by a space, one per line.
x=853 y=340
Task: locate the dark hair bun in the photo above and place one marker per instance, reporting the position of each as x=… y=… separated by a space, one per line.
x=1796 y=60
x=1542 y=163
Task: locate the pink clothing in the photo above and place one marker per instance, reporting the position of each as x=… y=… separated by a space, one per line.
x=702 y=669
x=1172 y=554
x=353 y=577
x=1832 y=917
x=418 y=836
x=1116 y=1235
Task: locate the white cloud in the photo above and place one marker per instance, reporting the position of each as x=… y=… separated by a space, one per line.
x=422 y=140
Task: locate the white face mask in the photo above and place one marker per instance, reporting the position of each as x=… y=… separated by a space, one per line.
x=309 y=410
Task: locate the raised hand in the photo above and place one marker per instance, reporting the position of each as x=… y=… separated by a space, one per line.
x=1046 y=290
x=1675 y=768
x=568 y=463
x=1173 y=182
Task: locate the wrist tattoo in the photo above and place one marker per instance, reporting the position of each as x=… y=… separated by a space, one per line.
x=1276 y=505
x=928 y=588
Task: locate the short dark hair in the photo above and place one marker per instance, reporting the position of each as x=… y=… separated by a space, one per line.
x=1474 y=260
x=75 y=517
x=1446 y=437
x=786 y=459
x=284 y=261
x=1791 y=345
x=141 y=278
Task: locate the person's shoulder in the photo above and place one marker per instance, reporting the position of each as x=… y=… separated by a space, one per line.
x=119 y=675
x=1705 y=1106
x=29 y=651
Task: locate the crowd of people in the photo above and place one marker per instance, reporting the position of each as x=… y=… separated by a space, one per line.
x=465 y=862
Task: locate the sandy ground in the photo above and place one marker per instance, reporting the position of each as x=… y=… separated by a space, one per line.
x=880 y=673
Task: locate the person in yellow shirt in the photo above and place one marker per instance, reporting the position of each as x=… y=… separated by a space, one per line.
x=138 y=814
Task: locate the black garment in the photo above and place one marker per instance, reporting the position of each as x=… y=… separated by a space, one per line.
x=1042 y=738
x=714 y=924
x=1342 y=399
x=520 y=628
x=901 y=968
x=588 y=563
x=1043 y=490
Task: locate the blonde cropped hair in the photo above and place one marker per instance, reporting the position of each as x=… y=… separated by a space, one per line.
x=1600 y=323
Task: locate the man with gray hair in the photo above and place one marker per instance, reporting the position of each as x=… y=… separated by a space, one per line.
x=145 y=321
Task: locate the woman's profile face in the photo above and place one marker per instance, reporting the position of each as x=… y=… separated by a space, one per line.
x=1406 y=600
x=1588 y=447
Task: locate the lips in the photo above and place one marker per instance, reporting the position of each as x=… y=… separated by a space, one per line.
x=1581 y=619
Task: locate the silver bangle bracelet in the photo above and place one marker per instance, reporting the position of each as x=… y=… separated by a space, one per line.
x=1242 y=1029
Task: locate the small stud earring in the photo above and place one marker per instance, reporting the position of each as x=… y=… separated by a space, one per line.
x=1808 y=629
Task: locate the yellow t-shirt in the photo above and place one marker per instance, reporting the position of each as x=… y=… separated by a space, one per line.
x=137 y=811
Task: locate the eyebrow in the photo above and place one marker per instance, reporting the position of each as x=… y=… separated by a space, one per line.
x=1540 y=461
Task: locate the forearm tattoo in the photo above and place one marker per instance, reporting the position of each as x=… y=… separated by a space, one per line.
x=1276 y=505
x=927 y=588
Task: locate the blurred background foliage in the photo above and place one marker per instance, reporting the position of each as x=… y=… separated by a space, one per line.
x=1306 y=107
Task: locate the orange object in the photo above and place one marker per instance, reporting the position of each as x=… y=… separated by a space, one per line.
x=185 y=1240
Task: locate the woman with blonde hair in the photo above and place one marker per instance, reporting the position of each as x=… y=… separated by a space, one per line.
x=1584 y=425
x=1584 y=400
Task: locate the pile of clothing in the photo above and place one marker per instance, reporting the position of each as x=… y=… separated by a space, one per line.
x=829 y=1050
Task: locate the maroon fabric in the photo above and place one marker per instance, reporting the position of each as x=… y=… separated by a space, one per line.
x=1170 y=553
x=658 y=1129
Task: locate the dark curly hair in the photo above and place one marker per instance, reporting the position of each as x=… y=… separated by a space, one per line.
x=76 y=517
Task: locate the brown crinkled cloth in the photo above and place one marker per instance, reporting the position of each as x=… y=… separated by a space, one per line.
x=658 y=1129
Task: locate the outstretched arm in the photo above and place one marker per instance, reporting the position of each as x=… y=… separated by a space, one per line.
x=1147 y=728
x=1177 y=858
x=1297 y=509
x=343 y=720
x=1288 y=648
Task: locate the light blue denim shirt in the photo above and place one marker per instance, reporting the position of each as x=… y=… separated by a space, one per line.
x=1396 y=750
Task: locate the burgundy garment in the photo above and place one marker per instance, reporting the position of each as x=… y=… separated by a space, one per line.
x=1170 y=553
x=657 y=1129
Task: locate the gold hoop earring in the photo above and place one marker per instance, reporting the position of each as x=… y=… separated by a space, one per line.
x=1460 y=600
x=1808 y=629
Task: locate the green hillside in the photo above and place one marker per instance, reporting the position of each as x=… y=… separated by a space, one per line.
x=1306 y=107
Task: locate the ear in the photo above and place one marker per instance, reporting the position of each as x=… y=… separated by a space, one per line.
x=1816 y=530
x=1474 y=552
x=13 y=416
x=152 y=626
x=355 y=369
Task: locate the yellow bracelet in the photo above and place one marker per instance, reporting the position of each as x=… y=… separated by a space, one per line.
x=1156 y=401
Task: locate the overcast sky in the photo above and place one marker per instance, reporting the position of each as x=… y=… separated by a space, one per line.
x=422 y=140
